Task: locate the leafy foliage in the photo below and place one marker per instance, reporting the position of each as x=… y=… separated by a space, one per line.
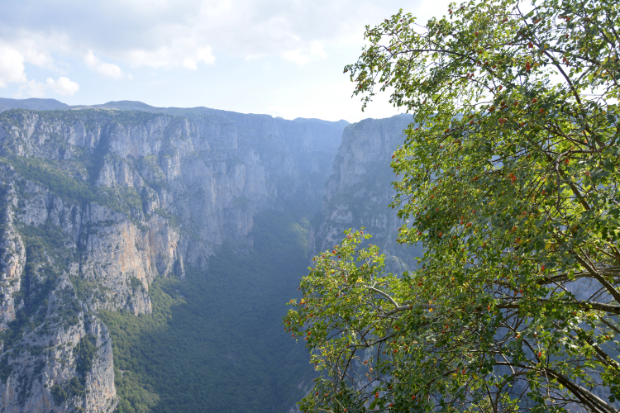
x=59 y=394
x=511 y=175
x=85 y=353
x=52 y=176
x=5 y=369
x=57 y=177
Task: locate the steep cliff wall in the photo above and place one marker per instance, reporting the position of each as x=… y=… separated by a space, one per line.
x=98 y=203
x=359 y=191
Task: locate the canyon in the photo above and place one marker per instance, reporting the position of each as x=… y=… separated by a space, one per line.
x=119 y=213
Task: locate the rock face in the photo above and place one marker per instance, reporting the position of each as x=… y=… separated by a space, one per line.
x=359 y=191
x=97 y=203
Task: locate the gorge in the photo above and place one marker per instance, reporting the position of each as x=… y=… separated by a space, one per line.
x=147 y=253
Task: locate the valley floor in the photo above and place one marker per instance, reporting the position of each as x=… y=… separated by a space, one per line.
x=215 y=341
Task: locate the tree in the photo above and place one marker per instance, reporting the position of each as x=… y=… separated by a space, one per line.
x=509 y=179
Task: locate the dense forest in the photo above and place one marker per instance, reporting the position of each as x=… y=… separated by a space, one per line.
x=215 y=339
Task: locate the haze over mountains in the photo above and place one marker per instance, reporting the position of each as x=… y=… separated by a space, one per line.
x=148 y=252
x=53 y=104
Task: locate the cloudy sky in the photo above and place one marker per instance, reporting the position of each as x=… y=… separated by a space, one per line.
x=280 y=57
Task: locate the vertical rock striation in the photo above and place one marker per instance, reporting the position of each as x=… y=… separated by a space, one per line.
x=359 y=191
x=95 y=204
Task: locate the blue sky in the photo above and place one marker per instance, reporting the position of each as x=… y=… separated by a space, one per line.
x=279 y=57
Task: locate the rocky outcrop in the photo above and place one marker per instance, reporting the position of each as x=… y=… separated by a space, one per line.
x=68 y=367
x=55 y=357
x=359 y=191
x=98 y=203
x=12 y=259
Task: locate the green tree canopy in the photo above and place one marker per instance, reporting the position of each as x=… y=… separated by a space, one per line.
x=509 y=179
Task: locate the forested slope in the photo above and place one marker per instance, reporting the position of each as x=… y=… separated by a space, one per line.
x=147 y=221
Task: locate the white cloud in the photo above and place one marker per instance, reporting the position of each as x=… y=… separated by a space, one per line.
x=11 y=66
x=253 y=56
x=63 y=86
x=300 y=57
x=106 y=69
x=147 y=33
x=183 y=52
x=190 y=64
x=36 y=89
x=332 y=101
x=296 y=56
x=316 y=49
x=151 y=58
x=36 y=48
x=40 y=58
x=204 y=54
x=12 y=70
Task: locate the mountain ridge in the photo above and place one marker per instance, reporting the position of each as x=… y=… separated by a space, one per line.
x=102 y=208
x=53 y=104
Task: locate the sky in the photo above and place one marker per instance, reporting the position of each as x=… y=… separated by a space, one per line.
x=278 y=57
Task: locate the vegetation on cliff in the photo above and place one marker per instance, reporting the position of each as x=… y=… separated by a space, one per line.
x=96 y=205
x=214 y=341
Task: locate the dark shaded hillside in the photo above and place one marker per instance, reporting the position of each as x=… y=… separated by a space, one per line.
x=214 y=341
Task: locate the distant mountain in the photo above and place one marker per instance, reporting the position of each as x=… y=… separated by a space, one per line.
x=53 y=104
x=129 y=105
x=32 y=104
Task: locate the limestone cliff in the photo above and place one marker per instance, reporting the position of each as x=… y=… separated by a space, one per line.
x=359 y=191
x=96 y=203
